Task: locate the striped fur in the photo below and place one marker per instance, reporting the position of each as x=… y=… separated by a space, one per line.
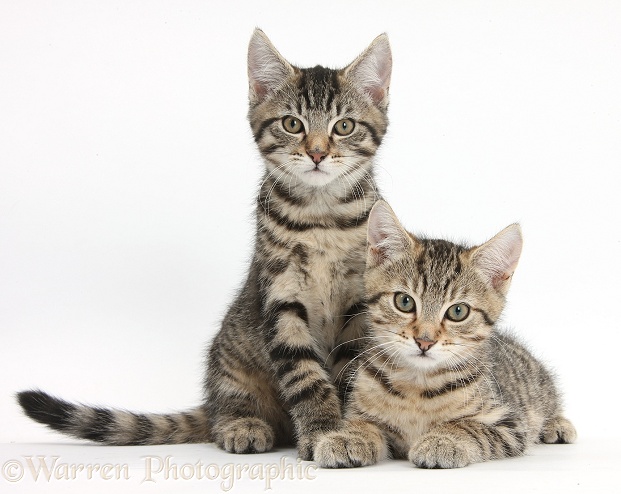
x=440 y=392
x=272 y=369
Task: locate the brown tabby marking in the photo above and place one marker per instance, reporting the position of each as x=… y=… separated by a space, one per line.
x=437 y=382
x=272 y=369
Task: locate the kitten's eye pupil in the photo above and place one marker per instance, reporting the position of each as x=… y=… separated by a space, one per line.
x=404 y=302
x=344 y=127
x=292 y=125
x=458 y=312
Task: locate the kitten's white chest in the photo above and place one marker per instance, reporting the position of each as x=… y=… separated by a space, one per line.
x=334 y=285
x=324 y=270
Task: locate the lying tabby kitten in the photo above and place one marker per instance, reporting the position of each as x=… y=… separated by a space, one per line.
x=438 y=383
x=271 y=368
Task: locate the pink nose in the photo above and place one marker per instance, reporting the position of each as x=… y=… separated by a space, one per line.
x=424 y=345
x=317 y=156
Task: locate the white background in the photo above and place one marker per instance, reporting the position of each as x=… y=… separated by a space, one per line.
x=128 y=176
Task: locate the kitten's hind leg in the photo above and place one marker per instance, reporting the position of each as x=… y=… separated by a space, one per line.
x=245 y=411
x=250 y=423
x=558 y=430
x=247 y=417
x=356 y=444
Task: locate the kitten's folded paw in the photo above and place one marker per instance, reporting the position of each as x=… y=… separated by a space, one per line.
x=439 y=451
x=345 y=450
x=558 y=430
x=245 y=435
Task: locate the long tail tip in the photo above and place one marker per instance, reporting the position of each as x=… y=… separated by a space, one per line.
x=46 y=409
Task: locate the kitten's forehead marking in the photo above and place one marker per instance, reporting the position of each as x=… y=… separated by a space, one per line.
x=318 y=88
x=439 y=261
x=437 y=266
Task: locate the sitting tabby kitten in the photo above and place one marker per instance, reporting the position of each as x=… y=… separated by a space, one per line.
x=271 y=369
x=437 y=383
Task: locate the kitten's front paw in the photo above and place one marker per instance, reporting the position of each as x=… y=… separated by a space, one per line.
x=306 y=446
x=245 y=435
x=439 y=451
x=558 y=430
x=345 y=450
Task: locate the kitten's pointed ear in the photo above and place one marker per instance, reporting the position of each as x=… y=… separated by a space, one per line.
x=267 y=69
x=386 y=238
x=371 y=71
x=497 y=258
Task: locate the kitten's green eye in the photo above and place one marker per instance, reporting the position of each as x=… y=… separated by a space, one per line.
x=458 y=312
x=292 y=125
x=344 y=127
x=404 y=302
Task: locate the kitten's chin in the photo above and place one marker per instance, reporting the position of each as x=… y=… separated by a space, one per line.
x=423 y=361
x=326 y=172
x=317 y=177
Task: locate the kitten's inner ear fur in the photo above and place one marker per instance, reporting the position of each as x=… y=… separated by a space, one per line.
x=497 y=258
x=371 y=71
x=267 y=69
x=386 y=238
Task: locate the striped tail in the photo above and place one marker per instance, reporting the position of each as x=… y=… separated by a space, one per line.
x=115 y=427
